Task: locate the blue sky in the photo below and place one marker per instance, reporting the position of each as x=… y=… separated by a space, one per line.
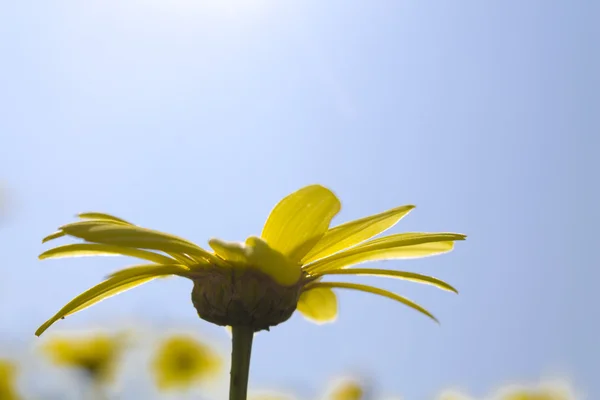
x=196 y=117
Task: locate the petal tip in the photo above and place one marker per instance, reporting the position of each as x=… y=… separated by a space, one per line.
x=59 y=233
x=322 y=322
x=317 y=186
x=40 y=330
x=214 y=240
x=433 y=317
x=451 y=288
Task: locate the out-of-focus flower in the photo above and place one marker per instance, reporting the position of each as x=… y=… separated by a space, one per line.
x=261 y=282
x=95 y=355
x=542 y=393
x=8 y=375
x=182 y=361
x=453 y=395
x=269 y=395
x=346 y=389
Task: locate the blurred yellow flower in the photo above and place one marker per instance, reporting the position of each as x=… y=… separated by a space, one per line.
x=536 y=394
x=95 y=355
x=453 y=395
x=181 y=361
x=347 y=390
x=270 y=396
x=258 y=283
x=8 y=372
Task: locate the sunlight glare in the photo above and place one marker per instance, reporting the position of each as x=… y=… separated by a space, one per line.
x=215 y=8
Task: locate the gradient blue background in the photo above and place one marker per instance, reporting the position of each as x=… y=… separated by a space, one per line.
x=196 y=117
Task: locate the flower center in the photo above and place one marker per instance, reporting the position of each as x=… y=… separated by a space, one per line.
x=243 y=297
x=184 y=362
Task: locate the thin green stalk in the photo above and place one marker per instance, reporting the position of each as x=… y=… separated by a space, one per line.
x=240 y=362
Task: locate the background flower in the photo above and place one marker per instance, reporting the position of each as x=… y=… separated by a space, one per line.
x=182 y=361
x=453 y=395
x=347 y=389
x=8 y=376
x=542 y=391
x=94 y=354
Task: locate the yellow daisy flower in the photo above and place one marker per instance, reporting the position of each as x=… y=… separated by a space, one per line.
x=257 y=284
x=182 y=361
x=95 y=355
x=261 y=282
x=8 y=375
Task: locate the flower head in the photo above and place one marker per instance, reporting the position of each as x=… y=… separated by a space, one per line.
x=258 y=283
x=8 y=372
x=181 y=361
x=95 y=355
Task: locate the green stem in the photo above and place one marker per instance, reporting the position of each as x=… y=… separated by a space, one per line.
x=240 y=362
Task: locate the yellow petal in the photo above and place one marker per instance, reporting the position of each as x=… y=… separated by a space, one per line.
x=299 y=220
x=374 y=290
x=256 y=253
x=233 y=252
x=103 y=217
x=92 y=249
x=182 y=258
x=400 y=246
x=151 y=269
x=273 y=263
x=355 y=232
x=188 y=260
x=318 y=304
x=407 y=276
x=108 y=288
x=98 y=217
x=412 y=238
x=54 y=235
x=101 y=229
x=133 y=236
